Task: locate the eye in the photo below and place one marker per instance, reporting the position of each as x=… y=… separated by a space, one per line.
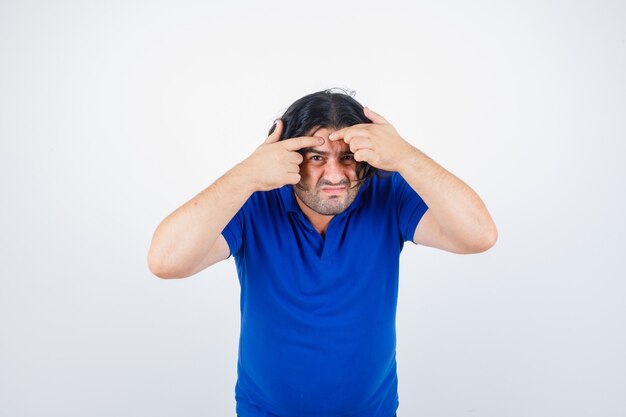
x=348 y=157
x=316 y=158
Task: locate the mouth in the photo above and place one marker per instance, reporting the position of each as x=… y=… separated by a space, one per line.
x=333 y=190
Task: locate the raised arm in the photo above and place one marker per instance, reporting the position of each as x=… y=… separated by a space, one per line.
x=189 y=239
x=457 y=220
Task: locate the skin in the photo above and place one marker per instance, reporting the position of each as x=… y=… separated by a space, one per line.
x=457 y=220
x=189 y=239
x=328 y=182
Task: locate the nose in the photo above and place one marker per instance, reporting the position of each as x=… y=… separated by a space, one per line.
x=335 y=172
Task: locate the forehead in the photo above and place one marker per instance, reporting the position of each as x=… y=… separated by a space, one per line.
x=329 y=145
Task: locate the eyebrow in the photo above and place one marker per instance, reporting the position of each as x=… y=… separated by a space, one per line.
x=324 y=153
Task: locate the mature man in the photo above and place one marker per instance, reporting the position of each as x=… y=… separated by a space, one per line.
x=315 y=219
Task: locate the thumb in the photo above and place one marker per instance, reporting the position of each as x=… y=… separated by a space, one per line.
x=373 y=116
x=275 y=135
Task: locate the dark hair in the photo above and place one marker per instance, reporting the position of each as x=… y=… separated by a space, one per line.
x=325 y=109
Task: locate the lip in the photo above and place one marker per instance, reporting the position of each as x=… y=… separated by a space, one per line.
x=333 y=190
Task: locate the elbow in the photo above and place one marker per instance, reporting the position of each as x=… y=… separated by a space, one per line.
x=165 y=273
x=154 y=264
x=160 y=270
x=156 y=269
x=487 y=240
x=481 y=242
x=159 y=262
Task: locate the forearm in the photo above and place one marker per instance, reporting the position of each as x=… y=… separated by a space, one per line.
x=183 y=238
x=458 y=210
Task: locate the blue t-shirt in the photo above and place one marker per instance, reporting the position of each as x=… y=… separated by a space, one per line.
x=318 y=336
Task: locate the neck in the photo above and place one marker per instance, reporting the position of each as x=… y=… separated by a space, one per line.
x=319 y=221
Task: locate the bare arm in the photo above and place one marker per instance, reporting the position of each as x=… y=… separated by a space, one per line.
x=189 y=239
x=457 y=219
x=185 y=237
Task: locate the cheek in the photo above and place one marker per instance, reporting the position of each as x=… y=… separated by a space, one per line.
x=309 y=170
x=308 y=174
x=354 y=179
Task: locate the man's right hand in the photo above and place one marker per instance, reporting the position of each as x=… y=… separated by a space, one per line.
x=277 y=163
x=190 y=239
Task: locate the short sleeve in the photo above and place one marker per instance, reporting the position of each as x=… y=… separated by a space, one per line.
x=409 y=205
x=233 y=232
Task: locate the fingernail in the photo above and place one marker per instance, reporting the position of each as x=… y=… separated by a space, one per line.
x=321 y=141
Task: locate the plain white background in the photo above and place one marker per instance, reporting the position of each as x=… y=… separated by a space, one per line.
x=113 y=114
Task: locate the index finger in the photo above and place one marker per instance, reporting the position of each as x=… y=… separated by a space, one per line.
x=298 y=143
x=347 y=133
x=338 y=134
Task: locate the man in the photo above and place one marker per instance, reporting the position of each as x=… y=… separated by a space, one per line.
x=315 y=219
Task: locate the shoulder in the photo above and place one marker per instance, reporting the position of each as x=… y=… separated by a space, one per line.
x=382 y=186
x=267 y=204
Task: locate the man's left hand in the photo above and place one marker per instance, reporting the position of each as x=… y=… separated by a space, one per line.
x=377 y=143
